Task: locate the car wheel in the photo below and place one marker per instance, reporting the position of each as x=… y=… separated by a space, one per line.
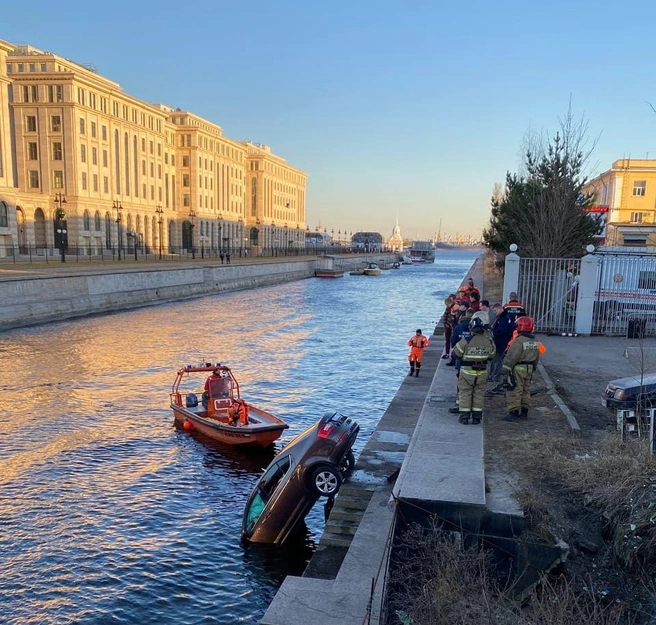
x=347 y=463
x=325 y=480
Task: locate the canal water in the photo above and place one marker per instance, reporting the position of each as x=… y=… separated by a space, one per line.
x=111 y=514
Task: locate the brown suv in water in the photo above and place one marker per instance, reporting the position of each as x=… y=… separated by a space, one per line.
x=312 y=465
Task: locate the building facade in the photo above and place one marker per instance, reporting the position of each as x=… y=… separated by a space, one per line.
x=626 y=196
x=85 y=166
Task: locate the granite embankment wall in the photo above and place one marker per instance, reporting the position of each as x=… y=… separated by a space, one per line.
x=31 y=300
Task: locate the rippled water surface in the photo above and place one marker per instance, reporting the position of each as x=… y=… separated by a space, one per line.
x=109 y=514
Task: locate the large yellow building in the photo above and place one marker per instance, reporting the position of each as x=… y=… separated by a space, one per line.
x=84 y=165
x=627 y=193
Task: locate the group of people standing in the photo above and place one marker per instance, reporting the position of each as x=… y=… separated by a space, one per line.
x=489 y=344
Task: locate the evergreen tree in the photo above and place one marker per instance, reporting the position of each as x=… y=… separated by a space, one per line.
x=543 y=211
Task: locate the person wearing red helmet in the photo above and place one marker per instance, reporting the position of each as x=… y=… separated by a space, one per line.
x=520 y=361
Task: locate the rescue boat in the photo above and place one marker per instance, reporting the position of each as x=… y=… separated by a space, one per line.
x=217 y=412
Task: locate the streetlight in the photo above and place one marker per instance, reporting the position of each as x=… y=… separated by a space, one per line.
x=192 y=215
x=160 y=211
x=134 y=236
x=219 y=218
x=60 y=213
x=119 y=207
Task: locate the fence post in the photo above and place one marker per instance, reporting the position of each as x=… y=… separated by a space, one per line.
x=585 y=298
x=511 y=274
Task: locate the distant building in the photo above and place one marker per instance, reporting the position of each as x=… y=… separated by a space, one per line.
x=395 y=242
x=625 y=197
x=368 y=241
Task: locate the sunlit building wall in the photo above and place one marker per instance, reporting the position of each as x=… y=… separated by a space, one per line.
x=275 y=199
x=149 y=175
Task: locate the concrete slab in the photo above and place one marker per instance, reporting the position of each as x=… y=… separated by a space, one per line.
x=444 y=461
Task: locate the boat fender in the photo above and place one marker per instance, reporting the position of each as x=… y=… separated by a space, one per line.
x=188 y=426
x=191 y=400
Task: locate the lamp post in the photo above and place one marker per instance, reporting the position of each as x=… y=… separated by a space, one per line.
x=134 y=236
x=60 y=214
x=192 y=216
x=118 y=206
x=160 y=211
x=219 y=218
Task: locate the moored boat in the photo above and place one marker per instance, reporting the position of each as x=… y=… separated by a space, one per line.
x=221 y=413
x=372 y=269
x=328 y=273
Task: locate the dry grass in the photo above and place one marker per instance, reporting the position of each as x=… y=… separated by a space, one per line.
x=445 y=584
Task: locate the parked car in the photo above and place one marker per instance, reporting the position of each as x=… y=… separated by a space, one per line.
x=624 y=393
x=311 y=466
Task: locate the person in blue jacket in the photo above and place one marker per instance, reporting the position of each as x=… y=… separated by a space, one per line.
x=502 y=331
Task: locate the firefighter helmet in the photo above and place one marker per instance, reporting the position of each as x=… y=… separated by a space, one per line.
x=524 y=324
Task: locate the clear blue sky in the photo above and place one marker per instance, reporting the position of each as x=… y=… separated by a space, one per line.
x=416 y=107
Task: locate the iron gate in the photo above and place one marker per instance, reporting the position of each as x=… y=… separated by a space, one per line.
x=625 y=296
x=548 y=289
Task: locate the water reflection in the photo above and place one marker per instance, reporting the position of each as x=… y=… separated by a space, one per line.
x=110 y=513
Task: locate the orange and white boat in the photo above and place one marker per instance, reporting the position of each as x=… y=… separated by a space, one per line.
x=215 y=413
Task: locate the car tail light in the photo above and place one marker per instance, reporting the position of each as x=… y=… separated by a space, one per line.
x=325 y=430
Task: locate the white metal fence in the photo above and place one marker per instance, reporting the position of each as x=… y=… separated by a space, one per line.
x=548 y=290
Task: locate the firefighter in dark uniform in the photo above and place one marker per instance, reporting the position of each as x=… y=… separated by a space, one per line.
x=473 y=355
x=520 y=361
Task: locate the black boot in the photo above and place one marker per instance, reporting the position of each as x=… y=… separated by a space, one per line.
x=463 y=418
x=417 y=373
x=513 y=415
x=524 y=413
x=412 y=370
x=476 y=417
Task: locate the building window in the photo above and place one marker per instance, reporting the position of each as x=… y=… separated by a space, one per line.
x=104 y=158
x=85 y=220
x=185 y=199
x=152 y=147
x=143 y=189
x=639 y=187
x=166 y=158
x=32 y=152
x=185 y=161
x=20 y=67
x=55 y=123
x=93 y=129
x=34 y=179
x=94 y=156
x=30 y=120
x=84 y=181
x=58 y=179
x=10 y=68
x=96 y=222
x=159 y=149
x=95 y=186
x=639 y=218
x=81 y=125
x=56 y=151
x=159 y=172
x=4 y=217
x=143 y=168
x=143 y=144
x=83 y=153
x=104 y=133
x=105 y=184
x=173 y=160
x=152 y=192
x=185 y=180
x=152 y=170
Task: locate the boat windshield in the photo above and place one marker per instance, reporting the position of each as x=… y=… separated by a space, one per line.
x=220 y=387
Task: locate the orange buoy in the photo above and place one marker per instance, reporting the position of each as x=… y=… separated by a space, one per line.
x=188 y=425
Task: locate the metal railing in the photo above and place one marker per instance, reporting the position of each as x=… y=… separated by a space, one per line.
x=548 y=289
x=34 y=254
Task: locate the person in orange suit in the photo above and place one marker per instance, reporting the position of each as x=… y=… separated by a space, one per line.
x=239 y=412
x=417 y=344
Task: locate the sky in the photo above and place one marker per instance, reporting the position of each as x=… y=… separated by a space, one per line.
x=414 y=109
